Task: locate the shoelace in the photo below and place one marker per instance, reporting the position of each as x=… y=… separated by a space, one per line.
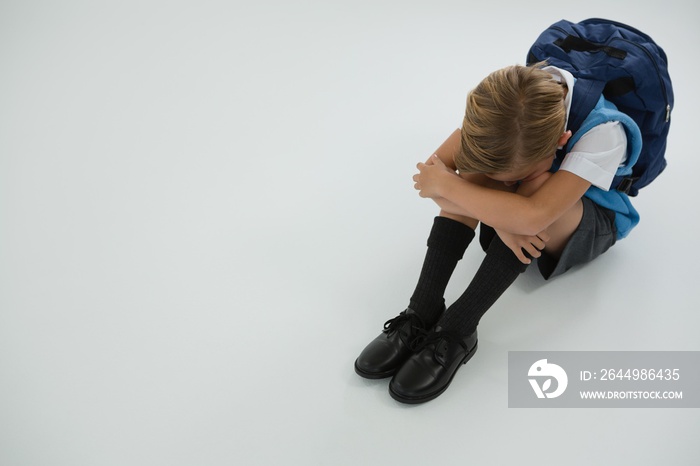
x=415 y=330
x=429 y=338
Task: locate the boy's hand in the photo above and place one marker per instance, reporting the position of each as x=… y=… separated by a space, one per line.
x=532 y=244
x=430 y=176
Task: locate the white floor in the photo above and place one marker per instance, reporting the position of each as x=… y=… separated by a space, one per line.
x=206 y=212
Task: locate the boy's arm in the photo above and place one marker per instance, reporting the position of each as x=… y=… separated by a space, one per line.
x=447 y=151
x=514 y=213
x=505 y=211
x=519 y=244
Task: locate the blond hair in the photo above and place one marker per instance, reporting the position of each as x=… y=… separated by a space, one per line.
x=514 y=118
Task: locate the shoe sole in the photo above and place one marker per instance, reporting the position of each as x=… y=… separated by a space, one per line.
x=373 y=375
x=432 y=396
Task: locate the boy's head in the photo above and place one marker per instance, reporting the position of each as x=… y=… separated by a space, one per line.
x=515 y=119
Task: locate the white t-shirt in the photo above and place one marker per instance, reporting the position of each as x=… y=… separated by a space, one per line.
x=598 y=154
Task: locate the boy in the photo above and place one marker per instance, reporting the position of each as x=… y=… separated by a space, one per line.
x=496 y=170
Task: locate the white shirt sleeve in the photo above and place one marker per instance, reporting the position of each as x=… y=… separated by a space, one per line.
x=598 y=154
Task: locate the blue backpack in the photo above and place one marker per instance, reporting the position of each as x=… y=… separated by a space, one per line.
x=627 y=68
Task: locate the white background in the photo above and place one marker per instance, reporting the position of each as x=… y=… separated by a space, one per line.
x=206 y=212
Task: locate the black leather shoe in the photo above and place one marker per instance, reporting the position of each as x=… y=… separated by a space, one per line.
x=428 y=373
x=387 y=353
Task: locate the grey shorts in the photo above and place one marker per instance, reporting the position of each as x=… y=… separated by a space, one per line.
x=594 y=235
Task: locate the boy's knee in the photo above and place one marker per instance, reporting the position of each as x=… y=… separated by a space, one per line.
x=468 y=221
x=528 y=188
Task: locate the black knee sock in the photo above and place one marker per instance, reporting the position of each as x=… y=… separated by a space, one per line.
x=446 y=245
x=497 y=272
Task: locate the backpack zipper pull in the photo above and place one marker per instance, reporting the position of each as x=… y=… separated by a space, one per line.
x=668 y=112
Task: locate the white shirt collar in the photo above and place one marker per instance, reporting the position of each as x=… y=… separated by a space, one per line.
x=558 y=74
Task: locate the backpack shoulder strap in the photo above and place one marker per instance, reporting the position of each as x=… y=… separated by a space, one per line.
x=605 y=111
x=587 y=93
